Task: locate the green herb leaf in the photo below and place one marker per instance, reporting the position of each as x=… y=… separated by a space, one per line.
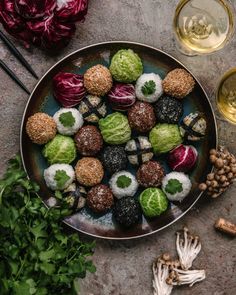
x=123 y=181
x=67 y=119
x=61 y=178
x=174 y=186
x=149 y=87
x=58 y=195
x=37 y=256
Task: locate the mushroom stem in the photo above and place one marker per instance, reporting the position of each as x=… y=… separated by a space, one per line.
x=161 y=273
x=188 y=277
x=187 y=248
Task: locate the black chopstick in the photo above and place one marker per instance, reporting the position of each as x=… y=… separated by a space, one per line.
x=17 y=53
x=13 y=76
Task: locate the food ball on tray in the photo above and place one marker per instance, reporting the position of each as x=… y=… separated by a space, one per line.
x=59 y=176
x=100 y=198
x=168 y=110
x=149 y=87
x=68 y=120
x=150 y=174
x=126 y=66
x=114 y=159
x=193 y=127
x=115 y=128
x=123 y=184
x=164 y=137
x=93 y=108
x=98 y=80
x=89 y=171
x=41 y=128
x=139 y=150
x=122 y=96
x=176 y=186
x=127 y=211
x=75 y=196
x=61 y=149
x=183 y=158
x=153 y=202
x=141 y=117
x=88 y=140
x=178 y=83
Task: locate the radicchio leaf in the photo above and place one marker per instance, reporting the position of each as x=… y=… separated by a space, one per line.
x=182 y=158
x=122 y=96
x=35 y=8
x=49 y=33
x=68 y=89
x=71 y=10
x=45 y=23
x=12 y=22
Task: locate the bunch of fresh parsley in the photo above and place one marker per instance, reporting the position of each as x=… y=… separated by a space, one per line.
x=36 y=255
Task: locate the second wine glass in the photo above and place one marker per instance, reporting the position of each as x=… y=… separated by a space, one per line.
x=203 y=26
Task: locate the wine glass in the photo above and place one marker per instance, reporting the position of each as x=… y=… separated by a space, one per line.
x=226 y=96
x=203 y=26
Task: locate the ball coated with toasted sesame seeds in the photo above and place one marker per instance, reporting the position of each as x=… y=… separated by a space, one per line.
x=178 y=83
x=89 y=171
x=41 y=128
x=98 y=80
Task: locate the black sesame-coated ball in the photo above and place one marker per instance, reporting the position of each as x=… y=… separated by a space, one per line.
x=127 y=211
x=168 y=110
x=114 y=159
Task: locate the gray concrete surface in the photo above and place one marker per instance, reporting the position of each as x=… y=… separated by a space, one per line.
x=124 y=268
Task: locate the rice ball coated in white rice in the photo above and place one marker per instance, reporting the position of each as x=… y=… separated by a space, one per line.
x=176 y=186
x=149 y=87
x=59 y=176
x=123 y=184
x=68 y=120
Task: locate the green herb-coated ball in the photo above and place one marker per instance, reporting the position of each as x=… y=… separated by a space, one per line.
x=61 y=149
x=165 y=137
x=153 y=202
x=115 y=128
x=126 y=66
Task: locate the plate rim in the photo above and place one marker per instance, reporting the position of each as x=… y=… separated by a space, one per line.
x=106 y=43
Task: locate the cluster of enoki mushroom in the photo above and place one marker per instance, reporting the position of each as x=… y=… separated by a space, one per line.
x=169 y=273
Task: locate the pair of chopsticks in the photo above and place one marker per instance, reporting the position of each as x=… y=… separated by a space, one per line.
x=20 y=57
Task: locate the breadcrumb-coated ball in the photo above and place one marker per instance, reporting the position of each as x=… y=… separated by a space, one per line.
x=98 y=80
x=41 y=128
x=178 y=83
x=89 y=171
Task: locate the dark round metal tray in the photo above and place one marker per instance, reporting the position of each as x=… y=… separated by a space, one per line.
x=41 y=99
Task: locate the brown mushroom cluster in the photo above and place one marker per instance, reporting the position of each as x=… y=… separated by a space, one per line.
x=224 y=172
x=170 y=272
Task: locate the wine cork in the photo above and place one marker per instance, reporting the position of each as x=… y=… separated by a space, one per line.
x=226 y=226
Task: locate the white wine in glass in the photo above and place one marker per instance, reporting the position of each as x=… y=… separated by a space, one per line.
x=203 y=26
x=226 y=96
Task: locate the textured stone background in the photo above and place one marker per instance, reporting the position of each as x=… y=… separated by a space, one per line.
x=124 y=268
